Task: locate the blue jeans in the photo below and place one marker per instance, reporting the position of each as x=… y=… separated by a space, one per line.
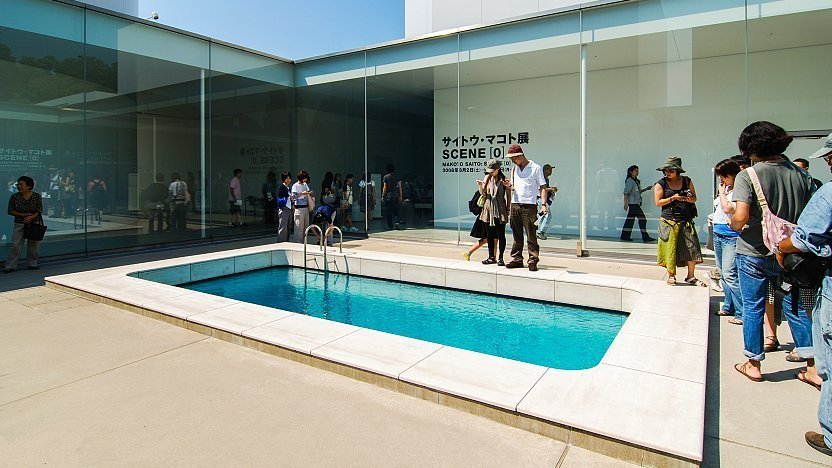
x=755 y=273
x=725 y=252
x=543 y=221
x=822 y=336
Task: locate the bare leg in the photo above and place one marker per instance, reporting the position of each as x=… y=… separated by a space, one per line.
x=476 y=246
x=768 y=320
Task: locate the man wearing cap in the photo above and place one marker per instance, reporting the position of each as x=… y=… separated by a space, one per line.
x=814 y=234
x=543 y=219
x=526 y=184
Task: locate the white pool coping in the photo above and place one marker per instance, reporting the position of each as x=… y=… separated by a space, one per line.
x=648 y=390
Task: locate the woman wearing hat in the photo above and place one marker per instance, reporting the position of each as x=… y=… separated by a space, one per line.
x=494 y=215
x=678 y=242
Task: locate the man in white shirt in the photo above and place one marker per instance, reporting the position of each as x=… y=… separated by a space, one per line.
x=526 y=183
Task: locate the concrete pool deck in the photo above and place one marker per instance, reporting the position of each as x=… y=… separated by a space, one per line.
x=715 y=444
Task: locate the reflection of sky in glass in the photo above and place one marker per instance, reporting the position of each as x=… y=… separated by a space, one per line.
x=552 y=335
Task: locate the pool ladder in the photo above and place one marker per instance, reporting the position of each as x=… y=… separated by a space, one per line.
x=323 y=240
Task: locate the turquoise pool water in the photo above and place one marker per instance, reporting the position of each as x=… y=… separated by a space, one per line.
x=547 y=334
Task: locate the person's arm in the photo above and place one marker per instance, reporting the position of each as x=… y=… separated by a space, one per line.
x=726 y=205
x=658 y=191
x=90 y=185
x=544 y=195
x=626 y=204
x=401 y=192
x=628 y=187
x=384 y=189
x=104 y=185
x=742 y=212
x=231 y=192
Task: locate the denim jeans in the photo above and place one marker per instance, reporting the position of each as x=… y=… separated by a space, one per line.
x=822 y=336
x=755 y=273
x=543 y=220
x=725 y=253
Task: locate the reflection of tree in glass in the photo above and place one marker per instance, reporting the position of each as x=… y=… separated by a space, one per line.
x=37 y=79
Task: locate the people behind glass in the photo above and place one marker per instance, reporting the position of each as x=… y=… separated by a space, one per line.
x=337 y=186
x=179 y=198
x=302 y=197
x=494 y=215
x=347 y=200
x=68 y=194
x=606 y=179
x=235 y=200
x=786 y=189
x=97 y=197
x=391 y=196
x=283 y=201
x=679 y=245
x=326 y=184
x=367 y=196
x=156 y=204
x=543 y=219
x=725 y=241
x=26 y=206
x=632 y=205
x=269 y=191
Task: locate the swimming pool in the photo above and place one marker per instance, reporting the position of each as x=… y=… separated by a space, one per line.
x=546 y=334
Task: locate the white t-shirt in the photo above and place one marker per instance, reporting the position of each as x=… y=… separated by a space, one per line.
x=719 y=214
x=526 y=183
x=301 y=201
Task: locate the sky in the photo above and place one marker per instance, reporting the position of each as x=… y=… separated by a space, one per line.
x=292 y=29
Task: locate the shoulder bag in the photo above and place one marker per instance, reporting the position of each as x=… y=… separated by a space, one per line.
x=36 y=230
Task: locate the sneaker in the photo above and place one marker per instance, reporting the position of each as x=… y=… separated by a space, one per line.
x=816 y=441
x=466 y=256
x=541 y=236
x=716 y=286
x=514 y=264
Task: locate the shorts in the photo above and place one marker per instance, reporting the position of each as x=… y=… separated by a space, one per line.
x=233 y=207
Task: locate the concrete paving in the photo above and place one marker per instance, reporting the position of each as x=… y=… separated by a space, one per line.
x=87 y=384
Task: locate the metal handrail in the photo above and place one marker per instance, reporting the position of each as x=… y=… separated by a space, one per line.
x=306 y=240
x=340 y=239
x=83 y=218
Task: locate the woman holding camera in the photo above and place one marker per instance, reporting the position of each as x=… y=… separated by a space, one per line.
x=26 y=206
x=678 y=242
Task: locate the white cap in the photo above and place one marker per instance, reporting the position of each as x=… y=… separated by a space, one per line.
x=825 y=149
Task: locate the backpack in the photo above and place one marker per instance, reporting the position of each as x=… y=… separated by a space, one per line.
x=473 y=205
x=775 y=229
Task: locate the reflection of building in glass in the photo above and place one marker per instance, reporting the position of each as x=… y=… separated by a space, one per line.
x=590 y=92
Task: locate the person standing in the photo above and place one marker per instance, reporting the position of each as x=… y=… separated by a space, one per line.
x=785 y=189
x=804 y=164
x=69 y=194
x=525 y=184
x=27 y=207
x=346 y=204
x=367 y=198
x=179 y=197
x=543 y=219
x=156 y=196
x=97 y=193
x=301 y=195
x=725 y=240
x=269 y=191
x=814 y=234
x=283 y=201
x=391 y=195
x=494 y=215
x=678 y=242
x=235 y=199
x=632 y=205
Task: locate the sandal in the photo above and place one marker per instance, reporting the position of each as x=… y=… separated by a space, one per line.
x=723 y=313
x=500 y=262
x=734 y=321
x=489 y=261
x=801 y=376
x=741 y=368
x=794 y=357
x=774 y=346
x=694 y=281
x=671 y=280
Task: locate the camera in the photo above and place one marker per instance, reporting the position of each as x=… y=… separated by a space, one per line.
x=686 y=193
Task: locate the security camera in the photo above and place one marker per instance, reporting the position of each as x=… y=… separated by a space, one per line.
x=153 y=16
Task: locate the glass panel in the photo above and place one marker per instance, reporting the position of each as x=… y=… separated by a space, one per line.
x=251 y=130
x=664 y=78
x=329 y=106
x=145 y=134
x=520 y=83
x=411 y=89
x=41 y=111
x=788 y=73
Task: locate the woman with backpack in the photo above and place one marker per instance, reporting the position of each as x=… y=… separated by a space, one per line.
x=97 y=192
x=678 y=242
x=772 y=194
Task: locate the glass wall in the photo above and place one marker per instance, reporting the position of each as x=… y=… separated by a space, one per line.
x=106 y=113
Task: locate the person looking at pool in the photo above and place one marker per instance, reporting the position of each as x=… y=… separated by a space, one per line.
x=302 y=198
x=26 y=206
x=678 y=242
x=525 y=184
x=283 y=200
x=632 y=205
x=494 y=215
x=786 y=189
x=725 y=241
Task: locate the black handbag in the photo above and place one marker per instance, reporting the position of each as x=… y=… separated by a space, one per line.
x=805 y=270
x=34 y=231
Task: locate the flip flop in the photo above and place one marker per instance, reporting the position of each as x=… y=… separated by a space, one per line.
x=740 y=367
x=801 y=376
x=671 y=280
x=734 y=321
x=770 y=348
x=794 y=357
